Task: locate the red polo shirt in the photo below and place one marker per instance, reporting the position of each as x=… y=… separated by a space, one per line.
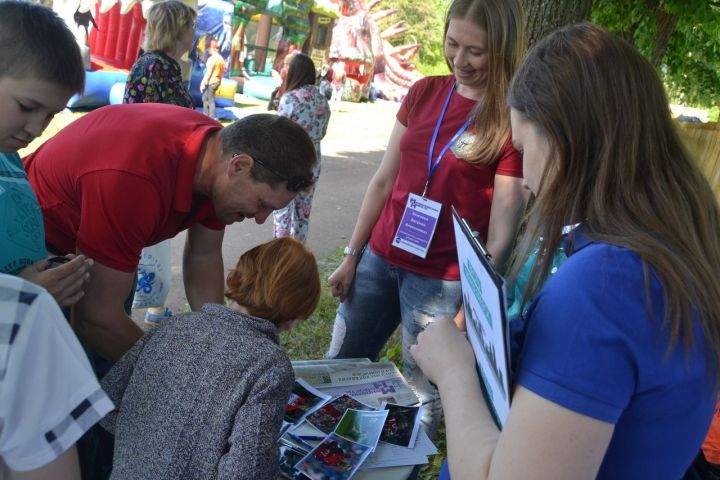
x=120 y=179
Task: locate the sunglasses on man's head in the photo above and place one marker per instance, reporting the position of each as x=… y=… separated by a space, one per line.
x=294 y=183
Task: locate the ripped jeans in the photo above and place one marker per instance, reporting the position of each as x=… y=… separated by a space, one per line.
x=380 y=297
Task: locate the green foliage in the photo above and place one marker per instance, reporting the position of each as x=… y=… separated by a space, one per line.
x=426 y=20
x=713 y=114
x=690 y=66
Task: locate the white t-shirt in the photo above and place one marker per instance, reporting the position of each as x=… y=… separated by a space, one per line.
x=49 y=395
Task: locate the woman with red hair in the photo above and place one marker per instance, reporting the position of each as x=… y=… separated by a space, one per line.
x=216 y=381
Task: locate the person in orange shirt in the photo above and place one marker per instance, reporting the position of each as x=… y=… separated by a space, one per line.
x=214 y=71
x=707 y=463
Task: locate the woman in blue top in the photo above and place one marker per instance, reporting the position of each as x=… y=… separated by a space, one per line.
x=617 y=375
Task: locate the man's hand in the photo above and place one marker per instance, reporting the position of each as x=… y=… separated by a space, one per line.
x=65 y=282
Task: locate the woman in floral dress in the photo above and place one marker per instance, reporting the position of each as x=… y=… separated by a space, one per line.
x=303 y=103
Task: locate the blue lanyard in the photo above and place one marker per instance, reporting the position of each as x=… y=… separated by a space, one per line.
x=432 y=167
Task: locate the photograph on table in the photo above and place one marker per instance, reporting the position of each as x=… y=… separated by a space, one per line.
x=291 y=440
x=362 y=426
x=303 y=400
x=289 y=457
x=334 y=459
x=402 y=425
x=328 y=416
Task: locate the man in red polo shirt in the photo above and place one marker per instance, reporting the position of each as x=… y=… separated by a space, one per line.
x=125 y=177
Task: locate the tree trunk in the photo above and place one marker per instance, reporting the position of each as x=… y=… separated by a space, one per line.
x=545 y=16
x=664 y=27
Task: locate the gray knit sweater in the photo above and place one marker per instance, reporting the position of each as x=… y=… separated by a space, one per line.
x=201 y=397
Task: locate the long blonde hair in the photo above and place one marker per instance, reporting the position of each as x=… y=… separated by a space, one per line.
x=504 y=22
x=618 y=166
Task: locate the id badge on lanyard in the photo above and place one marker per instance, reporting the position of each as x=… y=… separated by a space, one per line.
x=420 y=218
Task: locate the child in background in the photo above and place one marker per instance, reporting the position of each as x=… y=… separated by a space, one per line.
x=304 y=104
x=225 y=380
x=40 y=69
x=214 y=71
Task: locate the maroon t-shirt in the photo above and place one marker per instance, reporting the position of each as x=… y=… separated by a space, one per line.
x=120 y=179
x=467 y=186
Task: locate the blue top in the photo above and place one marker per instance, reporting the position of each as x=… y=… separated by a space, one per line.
x=22 y=236
x=591 y=347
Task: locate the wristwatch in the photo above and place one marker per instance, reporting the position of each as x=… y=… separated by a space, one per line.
x=351 y=251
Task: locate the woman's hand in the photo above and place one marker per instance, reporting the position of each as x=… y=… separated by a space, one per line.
x=342 y=278
x=442 y=349
x=66 y=282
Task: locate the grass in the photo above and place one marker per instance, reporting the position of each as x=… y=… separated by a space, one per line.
x=309 y=340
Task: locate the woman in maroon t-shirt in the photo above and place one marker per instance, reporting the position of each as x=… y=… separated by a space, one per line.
x=450 y=146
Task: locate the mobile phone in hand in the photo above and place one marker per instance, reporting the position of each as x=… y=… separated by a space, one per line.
x=57 y=261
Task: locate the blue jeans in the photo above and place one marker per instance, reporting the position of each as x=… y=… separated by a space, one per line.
x=380 y=298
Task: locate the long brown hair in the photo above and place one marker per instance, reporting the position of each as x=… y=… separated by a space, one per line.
x=504 y=22
x=300 y=72
x=278 y=281
x=618 y=166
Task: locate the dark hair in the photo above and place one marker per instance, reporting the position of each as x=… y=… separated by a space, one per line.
x=36 y=43
x=277 y=142
x=301 y=72
x=278 y=281
x=617 y=164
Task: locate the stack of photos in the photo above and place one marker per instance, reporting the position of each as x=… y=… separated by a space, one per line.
x=303 y=401
x=342 y=452
x=328 y=416
x=347 y=432
x=402 y=425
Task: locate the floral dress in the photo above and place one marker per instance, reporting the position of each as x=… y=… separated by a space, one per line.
x=156 y=78
x=309 y=108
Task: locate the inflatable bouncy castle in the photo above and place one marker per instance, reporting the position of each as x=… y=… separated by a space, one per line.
x=254 y=37
x=110 y=33
x=368 y=53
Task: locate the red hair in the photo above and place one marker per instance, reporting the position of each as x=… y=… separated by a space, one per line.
x=278 y=280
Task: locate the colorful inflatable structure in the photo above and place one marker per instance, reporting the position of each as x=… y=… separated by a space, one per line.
x=368 y=53
x=254 y=36
x=111 y=33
